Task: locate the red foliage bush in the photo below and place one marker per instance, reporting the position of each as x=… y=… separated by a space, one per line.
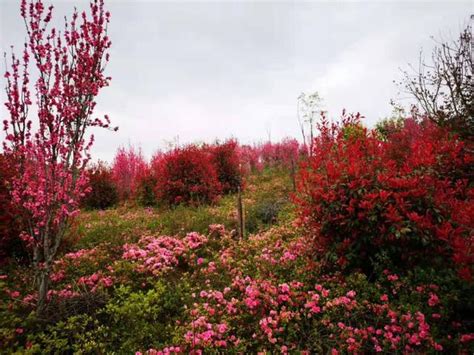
x=226 y=160
x=103 y=192
x=405 y=201
x=146 y=183
x=10 y=243
x=128 y=167
x=186 y=175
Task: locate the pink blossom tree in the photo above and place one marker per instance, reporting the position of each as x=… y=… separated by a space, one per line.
x=52 y=147
x=128 y=169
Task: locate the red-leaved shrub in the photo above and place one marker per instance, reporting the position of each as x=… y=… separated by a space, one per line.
x=10 y=243
x=146 y=183
x=102 y=193
x=225 y=158
x=403 y=201
x=127 y=169
x=186 y=175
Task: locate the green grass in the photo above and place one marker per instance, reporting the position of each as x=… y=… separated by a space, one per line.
x=266 y=201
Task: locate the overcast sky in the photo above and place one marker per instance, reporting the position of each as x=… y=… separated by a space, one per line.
x=206 y=70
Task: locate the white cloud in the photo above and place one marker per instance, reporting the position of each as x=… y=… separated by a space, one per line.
x=203 y=71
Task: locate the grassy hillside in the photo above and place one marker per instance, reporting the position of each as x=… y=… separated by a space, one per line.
x=160 y=281
x=266 y=201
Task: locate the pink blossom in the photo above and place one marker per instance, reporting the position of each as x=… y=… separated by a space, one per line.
x=433 y=300
x=466 y=338
x=222 y=328
x=392 y=277
x=351 y=294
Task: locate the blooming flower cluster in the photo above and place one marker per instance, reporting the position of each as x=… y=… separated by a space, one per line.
x=95 y=281
x=256 y=295
x=278 y=310
x=158 y=254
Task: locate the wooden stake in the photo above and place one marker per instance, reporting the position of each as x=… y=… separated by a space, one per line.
x=240 y=214
x=293 y=174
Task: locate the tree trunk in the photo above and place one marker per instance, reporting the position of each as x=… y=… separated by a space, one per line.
x=42 y=279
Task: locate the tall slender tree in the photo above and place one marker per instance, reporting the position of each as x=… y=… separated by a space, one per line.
x=309 y=108
x=51 y=146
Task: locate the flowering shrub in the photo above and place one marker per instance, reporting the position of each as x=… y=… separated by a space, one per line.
x=162 y=253
x=264 y=314
x=210 y=293
x=186 y=175
x=103 y=193
x=225 y=158
x=404 y=201
x=128 y=168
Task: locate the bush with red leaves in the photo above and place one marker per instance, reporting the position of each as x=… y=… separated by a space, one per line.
x=226 y=160
x=10 y=223
x=146 y=188
x=403 y=201
x=186 y=175
x=128 y=167
x=103 y=192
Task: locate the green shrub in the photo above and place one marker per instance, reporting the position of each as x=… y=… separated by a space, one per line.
x=81 y=334
x=143 y=319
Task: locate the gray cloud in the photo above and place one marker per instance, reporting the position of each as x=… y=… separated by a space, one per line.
x=206 y=70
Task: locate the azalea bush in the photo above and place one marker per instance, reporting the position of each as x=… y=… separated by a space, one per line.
x=400 y=202
x=212 y=293
x=186 y=175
